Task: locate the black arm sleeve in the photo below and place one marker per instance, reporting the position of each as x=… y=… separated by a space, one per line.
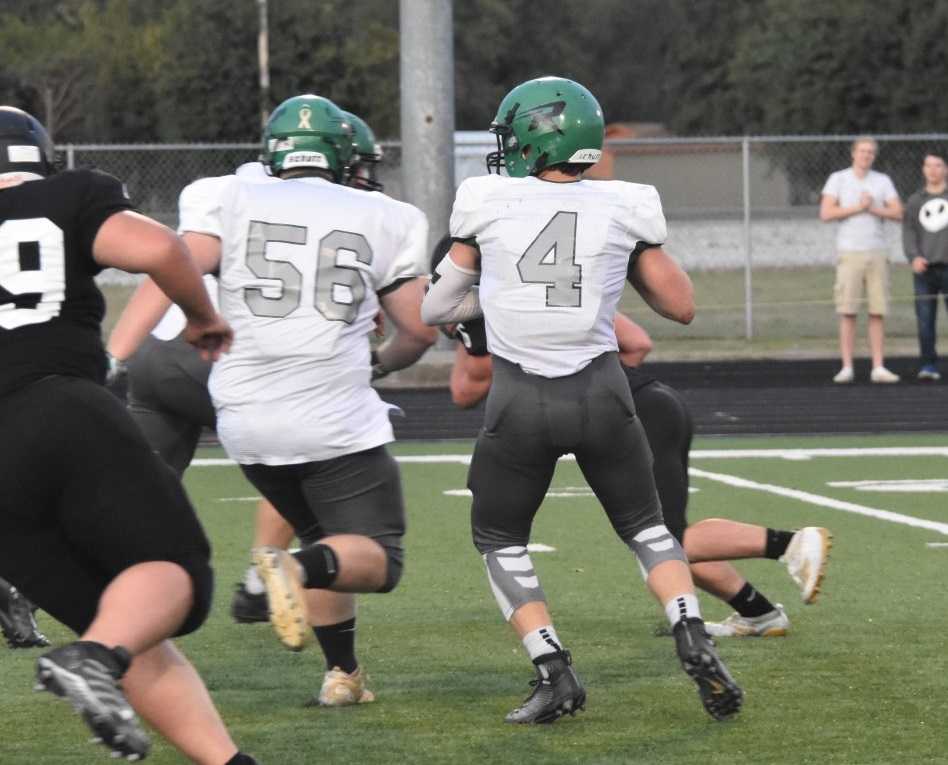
x=634 y=256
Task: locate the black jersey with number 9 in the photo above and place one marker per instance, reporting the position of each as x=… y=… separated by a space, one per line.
x=50 y=307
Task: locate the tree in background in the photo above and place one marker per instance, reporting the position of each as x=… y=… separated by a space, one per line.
x=699 y=93
x=614 y=47
x=50 y=70
x=186 y=70
x=207 y=82
x=346 y=50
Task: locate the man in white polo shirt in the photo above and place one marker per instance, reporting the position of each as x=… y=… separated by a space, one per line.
x=861 y=199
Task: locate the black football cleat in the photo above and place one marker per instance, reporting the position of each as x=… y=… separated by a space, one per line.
x=556 y=692
x=247 y=608
x=17 y=621
x=87 y=675
x=721 y=696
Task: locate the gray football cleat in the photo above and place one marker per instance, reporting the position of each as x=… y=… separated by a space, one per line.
x=87 y=675
x=556 y=692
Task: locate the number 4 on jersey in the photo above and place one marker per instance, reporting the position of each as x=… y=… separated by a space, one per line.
x=551 y=259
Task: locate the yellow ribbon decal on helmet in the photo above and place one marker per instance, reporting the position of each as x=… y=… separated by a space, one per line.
x=305 y=114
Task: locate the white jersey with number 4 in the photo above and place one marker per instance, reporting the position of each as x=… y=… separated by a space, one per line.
x=554 y=258
x=302 y=263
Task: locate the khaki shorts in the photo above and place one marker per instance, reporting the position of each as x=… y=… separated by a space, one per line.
x=856 y=271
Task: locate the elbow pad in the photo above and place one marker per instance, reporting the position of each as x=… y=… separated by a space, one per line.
x=454 y=297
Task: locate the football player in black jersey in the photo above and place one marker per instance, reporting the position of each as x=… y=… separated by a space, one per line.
x=93 y=528
x=668 y=427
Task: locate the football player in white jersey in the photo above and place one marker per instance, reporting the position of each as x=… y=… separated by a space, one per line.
x=270 y=528
x=304 y=266
x=552 y=252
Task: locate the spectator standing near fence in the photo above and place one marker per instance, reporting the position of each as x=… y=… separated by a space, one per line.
x=861 y=199
x=925 y=242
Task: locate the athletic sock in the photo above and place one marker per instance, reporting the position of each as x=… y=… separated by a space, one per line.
x=777 y=542
x=241 y=759
x=749 y=602
x=320 y=566
x=253 y=584
x=684 y=606
x=542 y=642
x=338 y=644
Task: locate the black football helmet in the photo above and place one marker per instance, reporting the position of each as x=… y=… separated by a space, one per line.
x=25 y=146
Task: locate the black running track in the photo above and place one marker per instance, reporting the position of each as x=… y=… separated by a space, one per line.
x=739 y=398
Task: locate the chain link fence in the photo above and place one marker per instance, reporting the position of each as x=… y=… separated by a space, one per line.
x=742 y=213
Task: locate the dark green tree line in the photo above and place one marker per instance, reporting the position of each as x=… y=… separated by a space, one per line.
x=186 y=70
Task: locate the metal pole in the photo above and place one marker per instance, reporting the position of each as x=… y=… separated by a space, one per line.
x=748 y=296
x=263 y=61
x=427 y=109
x=70 y=157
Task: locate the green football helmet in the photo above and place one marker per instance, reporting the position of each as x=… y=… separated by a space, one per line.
x=308 y=132
x=366 y=156
x=544 y=122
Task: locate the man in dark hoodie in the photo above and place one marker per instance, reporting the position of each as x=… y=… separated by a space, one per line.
x=925 y=242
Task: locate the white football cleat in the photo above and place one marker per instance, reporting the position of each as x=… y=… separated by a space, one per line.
x=282 y=577
x=805 y=558
x=772 y=624
x=341 y=689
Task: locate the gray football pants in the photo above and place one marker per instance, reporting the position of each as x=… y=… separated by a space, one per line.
x=530 y=421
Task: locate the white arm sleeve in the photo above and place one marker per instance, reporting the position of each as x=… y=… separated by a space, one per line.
x=453 y=298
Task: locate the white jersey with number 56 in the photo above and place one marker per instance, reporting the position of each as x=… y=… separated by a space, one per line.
x=302 y=264
x=554 y=258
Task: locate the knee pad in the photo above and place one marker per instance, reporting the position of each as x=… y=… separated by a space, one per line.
x=512 y=579
x=655 y=545
x=202 y=584
x=394 y=558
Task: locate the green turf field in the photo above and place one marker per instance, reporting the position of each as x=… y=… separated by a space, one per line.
x=859 y=679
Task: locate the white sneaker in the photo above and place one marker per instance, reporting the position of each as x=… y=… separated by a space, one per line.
x=883 y=375
x=772 y=624
x=341 y=689
x=281 y=575
x=844 y=375
x=805 y=558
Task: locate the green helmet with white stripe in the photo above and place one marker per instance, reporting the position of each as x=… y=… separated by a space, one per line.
x=544 y=122
x=308 y=131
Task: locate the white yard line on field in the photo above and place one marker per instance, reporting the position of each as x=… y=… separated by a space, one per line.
x=783 y=454
x=806 y=454
x=898 y=485
x=818 y=499
x=788 y=454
